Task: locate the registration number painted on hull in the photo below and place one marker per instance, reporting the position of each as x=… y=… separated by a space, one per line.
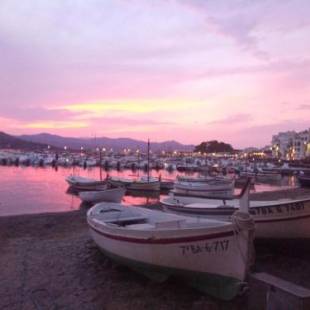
x=207 y=247
x=288 y=208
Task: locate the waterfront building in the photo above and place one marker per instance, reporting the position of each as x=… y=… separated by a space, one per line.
x=291 y=145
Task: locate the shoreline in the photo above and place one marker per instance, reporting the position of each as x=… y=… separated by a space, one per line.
x=286 y=193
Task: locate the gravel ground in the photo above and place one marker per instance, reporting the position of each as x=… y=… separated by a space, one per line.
x=48 y=261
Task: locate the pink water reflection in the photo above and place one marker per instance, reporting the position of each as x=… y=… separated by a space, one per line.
x=40 y=190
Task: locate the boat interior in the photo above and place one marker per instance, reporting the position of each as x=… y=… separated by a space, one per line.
x=143 y=219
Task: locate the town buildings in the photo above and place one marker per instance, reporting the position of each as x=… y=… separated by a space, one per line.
x=291 y=145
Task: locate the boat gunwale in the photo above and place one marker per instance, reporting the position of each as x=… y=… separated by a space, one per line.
x=161 y=240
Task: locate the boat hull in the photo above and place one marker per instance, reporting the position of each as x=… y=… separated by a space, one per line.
x=289 y=220
x=219 y=286
x=109 y=195
x=77 y=184
x=136 y=185
x=219 y=194
x=144 y=186
x=212 y=261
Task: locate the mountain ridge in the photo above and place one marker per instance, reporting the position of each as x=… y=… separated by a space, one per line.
x=8 y=141
x=117 y=144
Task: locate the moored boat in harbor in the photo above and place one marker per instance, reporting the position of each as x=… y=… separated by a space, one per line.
x=277 y=219
x=212 y=188
x=141 y=183
x=109 y=195
x=82 y=183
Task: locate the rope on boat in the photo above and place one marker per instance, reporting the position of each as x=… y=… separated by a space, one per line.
x=244 y=222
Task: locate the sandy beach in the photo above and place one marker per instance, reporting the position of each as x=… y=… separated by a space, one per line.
x=49 y=261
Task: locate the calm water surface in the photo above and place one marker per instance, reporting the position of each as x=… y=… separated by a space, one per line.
x=39 y=190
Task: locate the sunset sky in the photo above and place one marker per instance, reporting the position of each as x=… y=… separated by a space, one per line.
x=188 y=70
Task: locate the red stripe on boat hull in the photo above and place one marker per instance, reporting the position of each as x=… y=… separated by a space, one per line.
x=165 y=240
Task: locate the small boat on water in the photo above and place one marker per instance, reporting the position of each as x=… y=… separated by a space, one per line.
x=209 y=188
x=141 y=183
x=263 y=175
x=109 y=195
x=213 y=256
x=200 y=179
x=277 y=219
x=82 y=183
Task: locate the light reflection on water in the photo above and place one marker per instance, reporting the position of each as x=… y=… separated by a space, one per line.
x=39 y=190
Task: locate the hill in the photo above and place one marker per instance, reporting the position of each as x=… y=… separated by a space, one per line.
x=11 y=142
x=116 y=144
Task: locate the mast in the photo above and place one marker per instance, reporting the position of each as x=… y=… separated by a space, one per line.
x=100 y=157
x=100 y=163
x=148 y=160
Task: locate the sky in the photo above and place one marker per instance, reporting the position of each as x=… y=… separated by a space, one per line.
x=186 y=70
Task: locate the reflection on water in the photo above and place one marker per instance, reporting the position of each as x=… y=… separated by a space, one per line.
x=39 y=190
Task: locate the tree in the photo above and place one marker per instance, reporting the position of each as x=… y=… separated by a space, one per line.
x=214 y=147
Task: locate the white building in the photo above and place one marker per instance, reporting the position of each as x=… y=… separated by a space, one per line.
x=291 y=145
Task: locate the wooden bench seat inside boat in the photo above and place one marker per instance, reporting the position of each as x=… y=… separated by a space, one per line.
x=142 y=226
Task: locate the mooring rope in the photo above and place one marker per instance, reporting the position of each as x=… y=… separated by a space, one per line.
x=244 y=222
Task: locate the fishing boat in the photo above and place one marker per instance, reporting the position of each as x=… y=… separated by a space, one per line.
x=140 y=183
x=262 y=175
x=210 y=188
x=277 y=219
x=82 y=183
x=199 y=179
x=213 y=256
x=109 y=195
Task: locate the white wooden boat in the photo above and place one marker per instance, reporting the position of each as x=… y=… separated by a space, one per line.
x=262 y=175
x=119 y=181
x=277 y=219
x=109 y=195
x=141 y=183
x=211 y=255
x=82 y=183
x=201 y=179
x=214 y=188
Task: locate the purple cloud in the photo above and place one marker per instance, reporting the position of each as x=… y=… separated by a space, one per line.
x=232 y=119
x=304 y=107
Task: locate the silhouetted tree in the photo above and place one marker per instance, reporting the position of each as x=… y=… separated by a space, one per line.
x=214 y=147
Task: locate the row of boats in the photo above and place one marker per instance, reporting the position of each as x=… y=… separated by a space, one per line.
x=170 y=162
x=216 y=187
x=209 y=242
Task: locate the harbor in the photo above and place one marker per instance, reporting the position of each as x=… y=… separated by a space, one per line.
x=52 y=262
x=44 y=189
